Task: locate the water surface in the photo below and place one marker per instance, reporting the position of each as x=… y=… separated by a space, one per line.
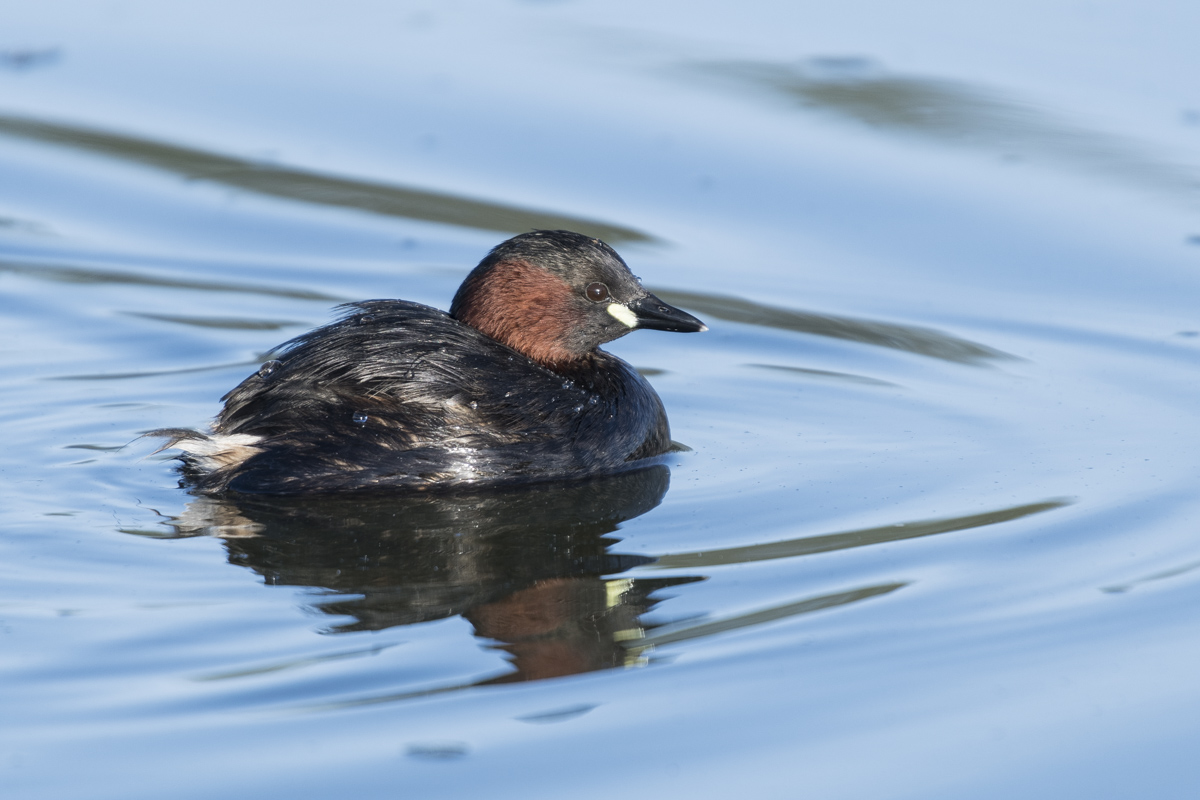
x=933 y=531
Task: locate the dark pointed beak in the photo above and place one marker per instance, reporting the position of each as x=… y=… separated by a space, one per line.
x=653 y=314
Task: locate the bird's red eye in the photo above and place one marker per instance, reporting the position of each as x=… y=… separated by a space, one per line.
x=597 y=292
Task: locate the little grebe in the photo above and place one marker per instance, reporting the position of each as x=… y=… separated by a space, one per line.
x=509 y=387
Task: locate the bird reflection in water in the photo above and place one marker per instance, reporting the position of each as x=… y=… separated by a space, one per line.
x=529 y=568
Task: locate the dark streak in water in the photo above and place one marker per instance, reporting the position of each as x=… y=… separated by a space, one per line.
x=810 y=545
x=23 y=59
x=391 y=698
x=231 y=323
x=438 y=751
x=120 y=376
x=292 y=183
x=954 y=113
x=25 y=226
x=761 y=616
x=559 y=714
x=62 y=274
x=821 y=373
x=922 y=341
x=1157 y=576
x=293 y=664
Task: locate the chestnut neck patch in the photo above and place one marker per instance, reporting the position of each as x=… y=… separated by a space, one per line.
x=524 y=307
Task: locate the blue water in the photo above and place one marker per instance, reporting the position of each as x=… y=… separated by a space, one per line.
x=934 y=532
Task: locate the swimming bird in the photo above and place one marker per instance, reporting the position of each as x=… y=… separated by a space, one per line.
x=509 y=387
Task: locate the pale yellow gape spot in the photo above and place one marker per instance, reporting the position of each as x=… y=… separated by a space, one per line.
x=623 y=315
